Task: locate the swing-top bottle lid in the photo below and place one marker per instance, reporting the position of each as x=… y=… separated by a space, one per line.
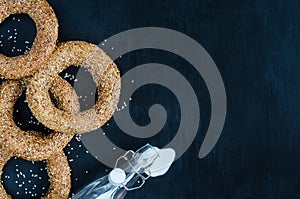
x=117 y=176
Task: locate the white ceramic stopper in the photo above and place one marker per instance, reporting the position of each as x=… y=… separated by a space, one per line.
x=117 y=176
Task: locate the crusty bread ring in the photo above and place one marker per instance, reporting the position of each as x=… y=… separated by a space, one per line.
x=5 y=155
x=59 y=175
x=105 y=74
x=31 y=145
x=58 y=172
x=44 y=44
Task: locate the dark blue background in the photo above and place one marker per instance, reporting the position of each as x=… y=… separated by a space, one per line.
x=256 y=46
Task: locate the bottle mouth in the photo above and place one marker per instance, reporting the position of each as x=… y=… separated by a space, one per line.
x=148 y=161
x=163 y=163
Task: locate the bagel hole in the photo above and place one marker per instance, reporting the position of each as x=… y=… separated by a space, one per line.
x=24 y=118
x=17 y=33
x=24 y=179
x=84 y=85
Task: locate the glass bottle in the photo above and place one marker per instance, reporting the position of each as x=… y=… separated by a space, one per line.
x=124 y=177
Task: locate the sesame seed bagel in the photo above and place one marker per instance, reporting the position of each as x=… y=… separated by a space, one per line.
x=105 y=74
x=31 y=145
x=58 y=172
x=44 y=44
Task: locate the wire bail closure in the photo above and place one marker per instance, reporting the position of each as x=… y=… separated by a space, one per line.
x=139 y=173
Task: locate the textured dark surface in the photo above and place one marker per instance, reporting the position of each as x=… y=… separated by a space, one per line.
x=256 y=46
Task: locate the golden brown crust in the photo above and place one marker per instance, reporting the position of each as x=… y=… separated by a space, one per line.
x=44 y=44
x=105 y=74
x=59 y=175
x=32 y=145
x=58 y=172
x=5 y=155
